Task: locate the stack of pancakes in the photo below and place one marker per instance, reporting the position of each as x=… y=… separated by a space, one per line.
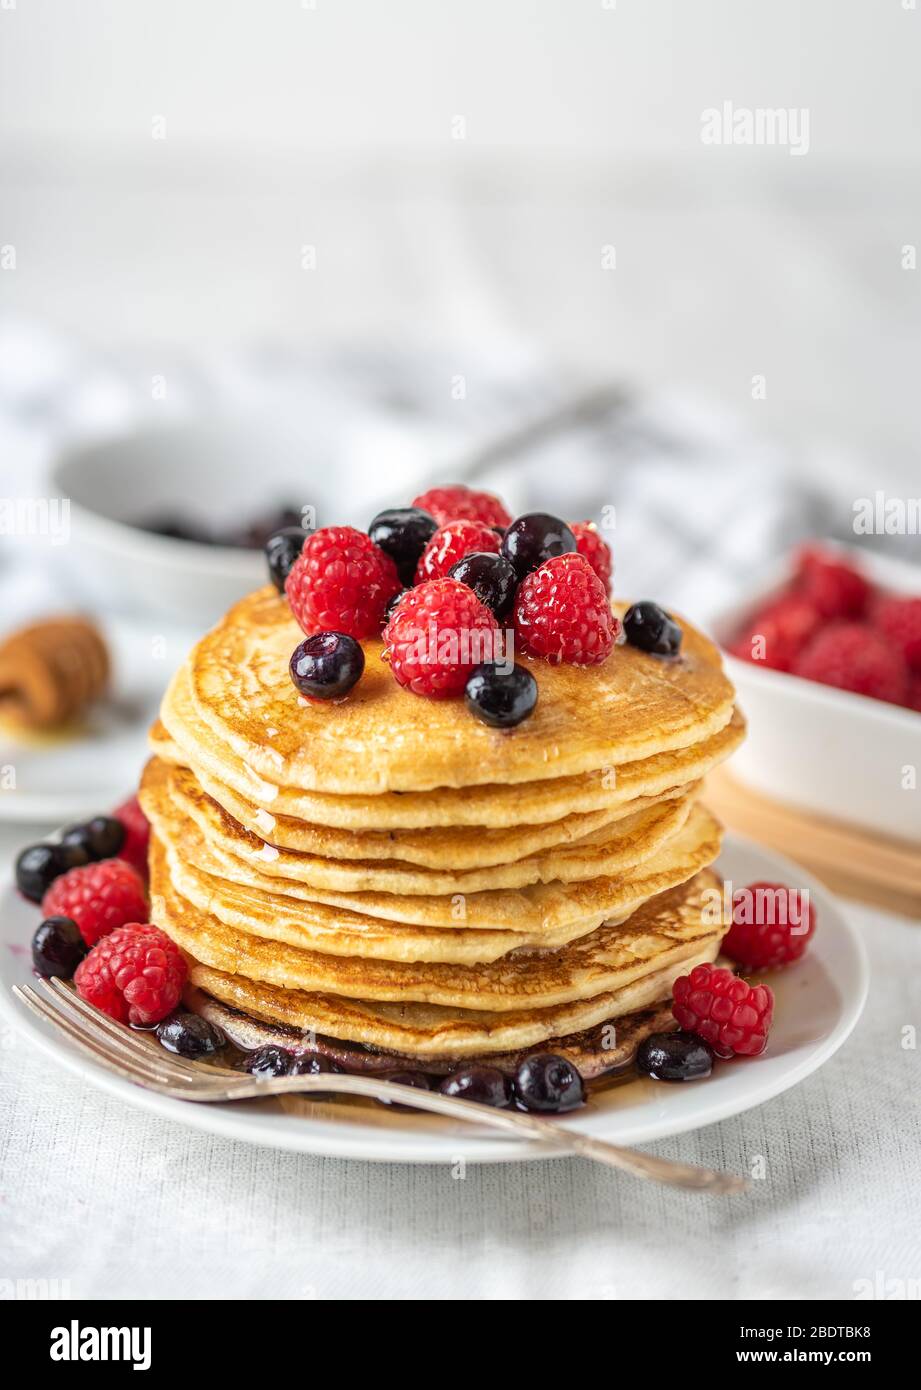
x=390 y=878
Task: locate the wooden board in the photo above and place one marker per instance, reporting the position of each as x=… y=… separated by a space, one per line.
x=851 y=861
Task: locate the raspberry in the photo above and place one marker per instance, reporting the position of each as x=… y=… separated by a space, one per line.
x=98 y=897
x=913 y=697
x=137 y=835
x=771 y=925
x=135 y=974
x=562 y=613
x=778 y=633
x=898 y=619
x=831 y=584
x=853 y=657
x=596 y=551
x=341 y=582
x=436 y=635
x=730 y=1015
x=451 y=543
x=460 y=503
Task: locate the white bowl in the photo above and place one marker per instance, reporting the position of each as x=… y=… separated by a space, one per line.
x=844 y=756
x=223 y=473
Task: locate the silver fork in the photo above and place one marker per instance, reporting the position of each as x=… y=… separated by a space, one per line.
x=137 y=1057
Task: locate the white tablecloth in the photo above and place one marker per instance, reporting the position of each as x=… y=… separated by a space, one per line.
x=121 y=1204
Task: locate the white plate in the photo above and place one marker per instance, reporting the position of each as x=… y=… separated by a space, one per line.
x=818 y=1002
x=94 y=770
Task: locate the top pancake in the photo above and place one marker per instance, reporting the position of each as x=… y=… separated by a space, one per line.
x=632 y=706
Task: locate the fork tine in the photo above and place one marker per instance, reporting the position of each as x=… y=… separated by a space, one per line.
x=117 y=1035
x=95 y=1050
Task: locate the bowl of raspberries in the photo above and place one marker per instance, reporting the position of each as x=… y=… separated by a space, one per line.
x=826 y=655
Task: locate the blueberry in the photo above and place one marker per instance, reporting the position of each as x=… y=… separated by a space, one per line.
x=190 y=1035
x=485 y=1085
x=674 y=1057
x=650 y=628
x=100 y=838
x=418 y=1079
x=73 y=852
x=36 y=869
x=58 y=947
x=327 y=665
x=392 y=603
x=403 y=532
x=534 y=538
x=501 y=698
x=281 y=551
x=545 y=1081
x=269 y=1061
x=491 y=578
x=313 y=1064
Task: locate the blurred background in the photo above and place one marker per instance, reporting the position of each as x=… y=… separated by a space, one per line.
x=324 y=252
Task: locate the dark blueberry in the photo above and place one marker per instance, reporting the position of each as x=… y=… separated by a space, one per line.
x=74 y=852
x=650 y=628
x=674 y=1057
x=403 y=532
x=101 y=838
x=499 y=530
x=36 y=869
x=485 y=1085
x=313 y=1064
x=327 y=665
x=58 y=947
x=392 y=603
x=501 y=698
x=491 y=578
x=269 y=1061
x=418 y=1079
x=533 y=538
x=545 y=1081
x=281 y=551
x=190 y=1035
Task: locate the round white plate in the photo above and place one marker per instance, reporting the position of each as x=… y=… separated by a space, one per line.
x=818 y=1002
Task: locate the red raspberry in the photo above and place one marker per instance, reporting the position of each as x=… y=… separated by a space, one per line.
x=731 y=1016
x=596 y=551
x=451 y=543
x=436 y=635
x=913 y=697
x=771 y=925
x=460 y=503
x=341 y=582
x=898 y=619
x=98 y=897
x=137 y=835
x=562 y=613
x=832 y=584
x=852 y=656
x=778 y=633
x=135 y=974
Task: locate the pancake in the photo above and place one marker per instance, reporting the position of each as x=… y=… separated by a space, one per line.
x=432 y=1030
x=540 y=908
x=602 y=1050
x=631 y=706
x=185 y=739
x=464 y=847
x=615 y=849
x=337 y=931
x=609 y=957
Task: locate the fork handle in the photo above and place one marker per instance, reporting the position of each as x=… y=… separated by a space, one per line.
x=549 y=1133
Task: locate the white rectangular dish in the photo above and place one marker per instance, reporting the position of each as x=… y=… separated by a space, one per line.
x=841 y=755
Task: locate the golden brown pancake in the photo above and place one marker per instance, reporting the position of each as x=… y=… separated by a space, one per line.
x=382 y=738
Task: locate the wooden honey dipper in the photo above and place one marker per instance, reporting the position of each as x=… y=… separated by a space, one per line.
x=51 y=670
